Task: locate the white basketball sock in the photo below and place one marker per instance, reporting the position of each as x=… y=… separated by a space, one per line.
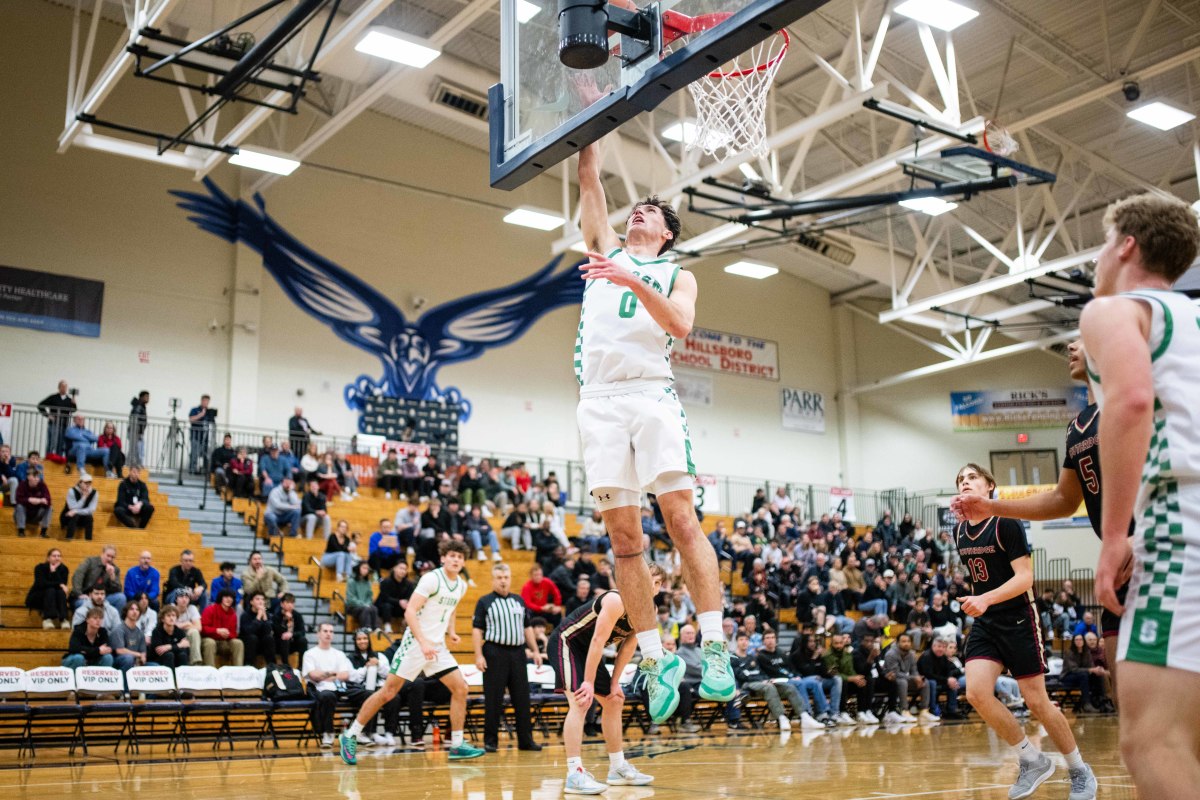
x=650 y=643
x=710 y=626
x=1074 y=760
x=574 y=763
x=615 y=760
x=1027 y=751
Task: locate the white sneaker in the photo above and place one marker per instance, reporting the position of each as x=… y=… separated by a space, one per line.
x=482 y=557
x=892 y=718
x=628 y=775
x=785 y=724
x=387 y=495
x=387 y=628
x=871 y=718
x=327 y=740
x=379 y=738
x=364 y=740
x=496 y=556
x=907 y=716
x=581 y=782
x=389 y=740
x=928 y=716
x=845 y=719
x=809 y=724
x=66 y=625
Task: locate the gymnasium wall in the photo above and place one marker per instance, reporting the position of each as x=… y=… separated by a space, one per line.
x=410 y=212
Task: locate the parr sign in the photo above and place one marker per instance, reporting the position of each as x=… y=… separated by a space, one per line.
x=803 y=410
x=728 y=353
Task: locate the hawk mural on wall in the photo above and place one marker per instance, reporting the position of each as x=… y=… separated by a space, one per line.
x=411 y=352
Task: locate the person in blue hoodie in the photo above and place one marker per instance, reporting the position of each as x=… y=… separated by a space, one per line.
x=227 y=580
x=144 y=578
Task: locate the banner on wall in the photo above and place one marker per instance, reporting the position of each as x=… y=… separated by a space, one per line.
x=708 y=497
x=1016 y=408
x=803 y=410
x=728 y=353
x=841 y=501
x=6 y=423
x=47 y=302
x=694 y=390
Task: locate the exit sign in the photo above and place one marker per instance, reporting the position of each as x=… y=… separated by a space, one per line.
x=1022 y=438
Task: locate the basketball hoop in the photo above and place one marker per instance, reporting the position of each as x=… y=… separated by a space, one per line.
x=731 y=102
x=997 y=139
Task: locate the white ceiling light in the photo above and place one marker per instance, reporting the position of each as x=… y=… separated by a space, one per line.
x=712 y=237
x=689 y=134
x=933 y=206
x=944 y=15
x=751 y=269
x=396 y=46
x=527 y=11
x=267 y=162
x=1160 y=115
x=533 y=218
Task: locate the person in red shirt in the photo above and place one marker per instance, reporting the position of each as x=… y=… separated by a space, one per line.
x=542 y=596
x=523 y=479
x=219 y=629
x=116 y=456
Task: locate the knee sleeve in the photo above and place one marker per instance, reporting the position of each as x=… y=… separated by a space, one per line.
x=609 y=498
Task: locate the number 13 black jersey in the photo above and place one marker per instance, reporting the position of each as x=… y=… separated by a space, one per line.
x=987 y=551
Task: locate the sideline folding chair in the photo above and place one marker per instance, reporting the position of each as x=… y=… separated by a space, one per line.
x=50 y=692
x=202 y=703
x=249 y=714
x=108 y=714
x=14 y=711
x=152 y=697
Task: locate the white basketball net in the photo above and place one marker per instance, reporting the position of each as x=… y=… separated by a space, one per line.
x=731 y=103
x=998 y=140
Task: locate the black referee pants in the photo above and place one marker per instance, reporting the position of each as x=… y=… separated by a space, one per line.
x=505 y=670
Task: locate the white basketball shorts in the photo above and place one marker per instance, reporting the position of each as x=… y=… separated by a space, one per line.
x=410 y=661
x=1161 y=624
x=632 y=437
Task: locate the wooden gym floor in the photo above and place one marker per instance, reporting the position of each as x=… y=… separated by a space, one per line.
x=955 y=761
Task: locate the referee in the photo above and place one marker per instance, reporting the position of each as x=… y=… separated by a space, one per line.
x=501 y=632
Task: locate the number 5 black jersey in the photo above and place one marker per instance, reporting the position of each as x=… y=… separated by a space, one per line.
x=987 y=551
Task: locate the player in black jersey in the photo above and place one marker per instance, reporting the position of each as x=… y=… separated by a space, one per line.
x=1007 y=635
x=576 y=651
x=1078 y=482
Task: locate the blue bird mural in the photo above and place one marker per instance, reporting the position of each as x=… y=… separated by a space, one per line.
x=411 y=352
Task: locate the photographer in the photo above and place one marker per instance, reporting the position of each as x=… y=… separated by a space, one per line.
x=137 y=429
x=202 y=419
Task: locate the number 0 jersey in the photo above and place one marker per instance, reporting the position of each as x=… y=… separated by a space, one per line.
x=618 y=341
x=988 y=550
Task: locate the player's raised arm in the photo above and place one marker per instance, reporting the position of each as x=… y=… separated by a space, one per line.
x=1061 y=501
x=598 y=235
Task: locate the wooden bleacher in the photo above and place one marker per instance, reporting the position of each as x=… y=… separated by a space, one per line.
x=23 y=642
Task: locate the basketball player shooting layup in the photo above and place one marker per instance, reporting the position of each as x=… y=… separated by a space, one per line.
x=634 y=432
x=1007 y=635
x=1079 y=482
x=1143 y=351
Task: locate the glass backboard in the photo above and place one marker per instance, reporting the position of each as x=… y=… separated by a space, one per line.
x=542 y=111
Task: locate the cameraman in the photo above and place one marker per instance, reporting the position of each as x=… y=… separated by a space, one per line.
x=137 y=429
x=203 y=420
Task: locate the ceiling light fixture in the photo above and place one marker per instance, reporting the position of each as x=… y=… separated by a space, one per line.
x=1160 y=115
x=751 y=269
x=711 y=237
x=527 y=11
x=933 y=206
x=533 y=218
x=396 y=46
x=944 y=15
x=279 y=164
x=688 y=133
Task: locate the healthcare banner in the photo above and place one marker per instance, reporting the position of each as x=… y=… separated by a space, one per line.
x=728 y=353
x=1016 y=408
x=49 y=302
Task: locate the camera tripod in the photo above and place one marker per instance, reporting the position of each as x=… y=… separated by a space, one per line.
x=172 y=449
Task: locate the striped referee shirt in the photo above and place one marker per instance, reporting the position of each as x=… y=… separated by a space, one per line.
x=502 y=619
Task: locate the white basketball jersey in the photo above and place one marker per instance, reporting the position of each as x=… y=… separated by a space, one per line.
x=442 y=598
x=618 y=340
x=1175 y=366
